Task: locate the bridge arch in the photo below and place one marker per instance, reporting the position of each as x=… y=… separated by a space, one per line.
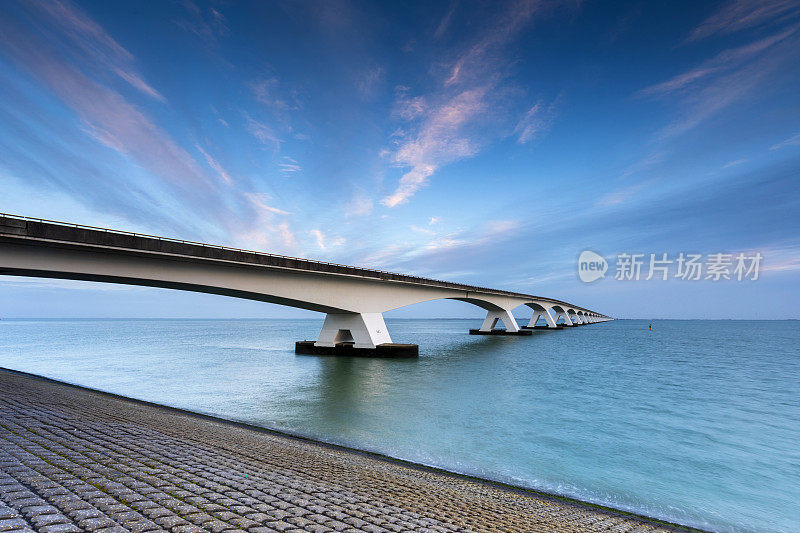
x=561 y=312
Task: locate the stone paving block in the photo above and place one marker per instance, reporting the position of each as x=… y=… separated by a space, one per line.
x=36 y=510
x=280 y=525
x=188 y=528
x=49 y=520
x=170 y=521
x=13 y=524
x=93 y=524
x=59 y=528
x=243 y=523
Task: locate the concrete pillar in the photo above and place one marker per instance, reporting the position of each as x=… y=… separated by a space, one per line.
x=492 y=317
x=541 y=309
x=365 y=330
x=548 y=316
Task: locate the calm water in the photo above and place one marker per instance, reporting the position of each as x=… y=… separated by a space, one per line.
x=696 y=422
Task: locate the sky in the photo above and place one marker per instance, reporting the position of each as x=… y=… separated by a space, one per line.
x=481 y=142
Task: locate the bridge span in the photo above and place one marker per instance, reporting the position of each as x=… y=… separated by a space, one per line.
x=353 y=298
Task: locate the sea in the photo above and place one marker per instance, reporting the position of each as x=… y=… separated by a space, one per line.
x=695 y=421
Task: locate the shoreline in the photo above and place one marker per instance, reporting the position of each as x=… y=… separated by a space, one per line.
x=320 y=445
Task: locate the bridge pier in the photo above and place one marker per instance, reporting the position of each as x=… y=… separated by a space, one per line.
x=560 y=312
x=364 y=330
x=551 y=323
x=355 y=334
x=491 y=320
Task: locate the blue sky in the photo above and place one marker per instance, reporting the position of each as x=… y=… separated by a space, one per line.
x=486 y=142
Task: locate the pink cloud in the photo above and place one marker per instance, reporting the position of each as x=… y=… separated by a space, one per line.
x=108 y=116
x=537 y=120
x=263 y=133
x=440 y=139
x=724 y=61
x=446 y=125
x=86 y=40
x=215 y=165
x=743 y=14
x=728 y=77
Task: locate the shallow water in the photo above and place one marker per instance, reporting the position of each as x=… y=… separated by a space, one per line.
x=696 y=422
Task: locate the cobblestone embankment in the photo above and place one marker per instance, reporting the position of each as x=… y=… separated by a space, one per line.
x=73 y=459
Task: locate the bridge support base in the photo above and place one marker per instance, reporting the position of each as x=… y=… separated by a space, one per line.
x=355 y=335
x=364 y=330
x=348 y=349
x=559 y=326
x=500 y=332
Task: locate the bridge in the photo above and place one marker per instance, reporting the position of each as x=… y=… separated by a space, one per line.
x=353 y=298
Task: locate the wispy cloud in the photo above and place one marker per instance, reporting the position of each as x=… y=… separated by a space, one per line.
x=735 y=162
x=440 y=139
x=424 y=231
x=442 y=126
x=486 y=51
x=706 y=90
x=456 y=244
x=369 y=80
x=536 y=121
x=270 y=231
x=324 y=241
x=209 y=24
x=645 y=163
x=791 y=141
x=85 y=40
x=110 y=118
x=289 y=165
x=444 y=24
x=724 y=61
x=619 y=196
x=745 y=14
x=260 y=201
x=263 y=133
x=358 y=205
x=215 y=165
x=779 y=258
x=267 y=91
x=283 y=107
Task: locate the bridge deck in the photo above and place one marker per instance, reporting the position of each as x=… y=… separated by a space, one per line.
x=54 y=233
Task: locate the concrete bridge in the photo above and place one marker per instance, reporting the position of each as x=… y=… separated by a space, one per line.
x=354 y=299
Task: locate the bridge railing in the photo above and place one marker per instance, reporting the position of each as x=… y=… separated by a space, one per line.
x=355 y=270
